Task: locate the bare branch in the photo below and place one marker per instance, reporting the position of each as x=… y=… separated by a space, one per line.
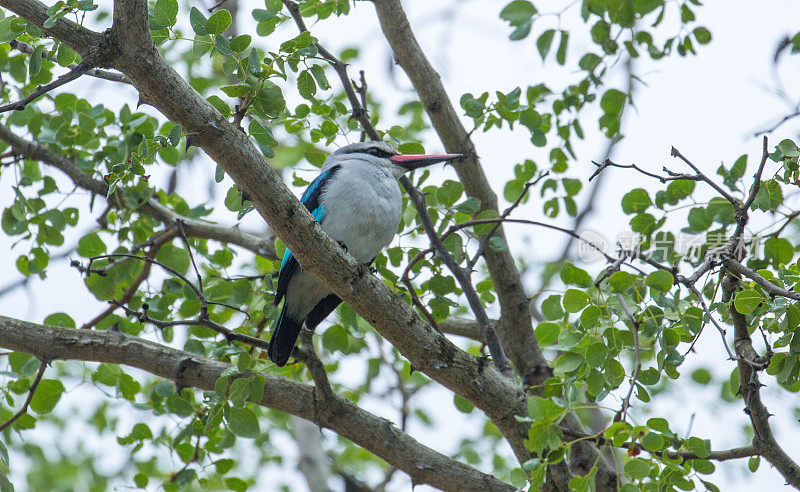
x=375 y=434
x=790 y=116
x=676 y=153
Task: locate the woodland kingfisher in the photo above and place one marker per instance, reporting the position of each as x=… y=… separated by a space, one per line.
x=357 y=201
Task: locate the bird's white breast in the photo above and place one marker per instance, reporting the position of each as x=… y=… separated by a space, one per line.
x=363 y=208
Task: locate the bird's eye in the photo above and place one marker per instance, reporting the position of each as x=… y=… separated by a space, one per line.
x=372 y=151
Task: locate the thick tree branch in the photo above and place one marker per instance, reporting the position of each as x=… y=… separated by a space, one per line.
x=76 y=37
x=750 y=389
x=30 y=149
x=515 y=330
x=427 y=350
x=378 y=435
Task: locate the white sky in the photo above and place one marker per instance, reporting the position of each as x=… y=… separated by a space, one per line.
x=708 y=106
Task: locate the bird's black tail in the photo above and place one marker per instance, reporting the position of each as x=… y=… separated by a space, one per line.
x=283 y=339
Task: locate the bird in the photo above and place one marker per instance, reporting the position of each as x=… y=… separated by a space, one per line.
x=357 y=201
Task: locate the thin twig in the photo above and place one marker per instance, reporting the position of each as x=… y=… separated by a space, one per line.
x=485 y=238
x=203 y=303
x=626 y=402
x=676 y=153
x=94 y=72
x=31 y=390
x=462 y=277
x=158 y=242
x=86 y=65
x=229 y=335
x=411 y=290
x=359 y=112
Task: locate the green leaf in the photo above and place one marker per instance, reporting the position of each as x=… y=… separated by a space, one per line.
x=700 y=447
x=91 y=245
x=753 y=462
x=47 y=395
x=218 y=22
x=561 y=54
x=699 y=219
x=462 y=405
x=702 y=35
x=65 y=55
x=572 y=275
x=568 y=362
x=243 y=422
x=240 y=43
x=165 y=13
x=661 y=280
x=637 y=468
x=469 y=206
x=60 y=319
x=636 y=201
x=551 y=308
x=544 y=42
x=174 y=257
x=449 y=192
x=198 y=22
x=519 y=14
x=306 y=85
x=9 y=29
x=612 y=101
x=620 y=281
x=140 y=480
x=575 y=300
x=547 y=333
x=747 y=301
x=779 y=250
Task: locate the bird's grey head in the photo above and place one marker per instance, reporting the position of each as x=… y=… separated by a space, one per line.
x=383 y=155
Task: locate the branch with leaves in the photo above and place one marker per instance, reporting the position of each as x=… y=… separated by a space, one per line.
x=378 y=435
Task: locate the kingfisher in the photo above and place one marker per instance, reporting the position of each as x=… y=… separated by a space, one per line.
x=357 y=201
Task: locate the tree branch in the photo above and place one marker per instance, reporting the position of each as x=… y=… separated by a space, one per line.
x=94 y=72
x=487 y=330
x=30 y=149
x=86 y=65
x=73 y=35
x=375 y=434
x=750 y=389
x=515 y=329
x=158 y=241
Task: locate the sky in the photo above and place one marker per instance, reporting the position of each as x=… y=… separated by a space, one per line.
x=709 y=106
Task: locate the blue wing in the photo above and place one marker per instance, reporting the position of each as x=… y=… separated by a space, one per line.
x=311 y=199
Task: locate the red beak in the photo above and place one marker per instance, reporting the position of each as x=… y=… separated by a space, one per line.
x=416 y=161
